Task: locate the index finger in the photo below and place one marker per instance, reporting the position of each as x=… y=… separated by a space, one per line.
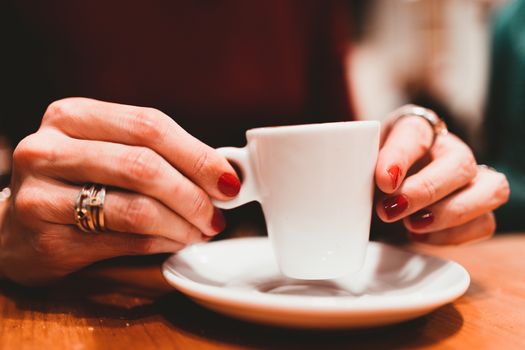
x=409 y=139
x=104 y=121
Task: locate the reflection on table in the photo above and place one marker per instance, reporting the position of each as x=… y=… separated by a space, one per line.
x=126 y=303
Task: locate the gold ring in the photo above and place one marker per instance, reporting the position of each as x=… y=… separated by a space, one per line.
x=89 y=208
x=437 y=124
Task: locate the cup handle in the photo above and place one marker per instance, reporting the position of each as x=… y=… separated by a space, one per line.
x=248 y=192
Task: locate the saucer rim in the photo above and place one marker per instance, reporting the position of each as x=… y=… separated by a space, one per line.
x=337 y=305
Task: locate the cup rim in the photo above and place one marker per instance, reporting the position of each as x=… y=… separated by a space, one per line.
x=313 y=127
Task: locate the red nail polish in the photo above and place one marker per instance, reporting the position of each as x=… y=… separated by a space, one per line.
x=229 y=184
x=421 y=218
x=217 y=221
x=394 y=173
x=394 y=206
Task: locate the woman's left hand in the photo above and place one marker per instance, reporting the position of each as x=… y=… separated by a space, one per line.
x=446 y=197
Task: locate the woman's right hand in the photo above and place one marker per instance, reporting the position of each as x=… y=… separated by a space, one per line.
x=160 y=182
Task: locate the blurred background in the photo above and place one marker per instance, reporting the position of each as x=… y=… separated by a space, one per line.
x=463 y=58
x=435 y=52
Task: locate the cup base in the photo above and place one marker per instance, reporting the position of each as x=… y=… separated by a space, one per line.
x=287 y=286
x=318 y=275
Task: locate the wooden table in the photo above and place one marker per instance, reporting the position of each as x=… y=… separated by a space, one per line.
x=125 y=304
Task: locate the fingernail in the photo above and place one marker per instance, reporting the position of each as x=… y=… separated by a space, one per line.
x=421 y=218
x=394 y=173
x=394 y=206
x=205 y=238
x=217 y=221
x=229 y=184
x=419 y=237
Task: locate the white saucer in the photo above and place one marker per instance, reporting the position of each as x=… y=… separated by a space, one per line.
x=240 y=278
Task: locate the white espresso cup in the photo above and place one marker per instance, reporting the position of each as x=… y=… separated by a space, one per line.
x=315 y=183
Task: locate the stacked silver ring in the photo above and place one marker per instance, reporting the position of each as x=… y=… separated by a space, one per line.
x=437 y=124
x=89 y=208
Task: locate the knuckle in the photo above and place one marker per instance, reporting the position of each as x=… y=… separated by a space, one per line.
x=200 y=164
x=59 y=110
x=147 y=125
x=32 y=205
x=35 y=148
x=459 y=211
x=54 y=110
x=141 y=163
x=199 y=205
x=430 y=190
x=136 y=215
x=503 y=189
x=24 y=151
x=467 y=169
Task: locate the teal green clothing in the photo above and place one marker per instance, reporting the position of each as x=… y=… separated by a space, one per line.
x=505 y=123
